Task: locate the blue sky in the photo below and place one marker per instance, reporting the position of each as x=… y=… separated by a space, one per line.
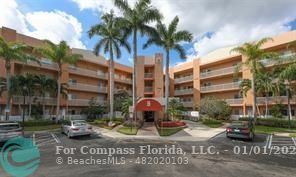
x=214 y=24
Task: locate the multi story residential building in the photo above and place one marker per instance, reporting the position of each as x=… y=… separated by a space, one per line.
x=214 y=74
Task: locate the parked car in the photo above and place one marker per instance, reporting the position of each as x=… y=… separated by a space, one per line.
x=76 y=128
x=10 y=130
x=240 y=129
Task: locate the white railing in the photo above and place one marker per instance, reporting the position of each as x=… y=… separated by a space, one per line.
x=284 y=58
x=184 y=79
x=34 y=100
x=233 y=85
x=87 y=87
x=83 y=102
x=148 y=75
x=148 y=89
x=218 y=72
x=235 y=101
x=125 y=80
x=184 y=91
x=187 y=103
x=87 y=72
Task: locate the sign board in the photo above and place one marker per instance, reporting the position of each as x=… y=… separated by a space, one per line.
x=7 y=110
x=131 y=109
x=194 y=113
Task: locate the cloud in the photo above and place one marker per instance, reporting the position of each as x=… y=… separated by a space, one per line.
x=229 y=22
x=55 y=25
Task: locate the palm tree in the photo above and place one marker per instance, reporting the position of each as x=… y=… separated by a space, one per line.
x=61 y=55
x=254 y=55
x=10 y=52
x=45 y=85
x=136 y=19
x=112 y=37
x=30 y=84
x=2 y=89
x=266 y=85
x=169 y=38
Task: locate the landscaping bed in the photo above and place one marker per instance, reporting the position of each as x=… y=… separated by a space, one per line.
x=168 y=128
x=168 y=131
x=212 y=123
x=103 y=123
x=128 y=130
x=271 y=130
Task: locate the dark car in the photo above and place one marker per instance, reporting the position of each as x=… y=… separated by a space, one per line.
x=10 y=130
x=240 y=129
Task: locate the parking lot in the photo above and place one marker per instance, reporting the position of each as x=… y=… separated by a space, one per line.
x=226 y=163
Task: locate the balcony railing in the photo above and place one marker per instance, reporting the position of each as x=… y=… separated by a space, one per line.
x=124 y=80
x=87 y=72
x=34 y=100
x=148 y=75
x=187 y=103
x=42 y=64
x=87 y=87
x=184 y=91
x=128 y=91
x=84 y=102
x=183 y=79
x=148 y=89
x=228 y=86
x=218 y=72
x=284 y=58
x=275 y=100
x=235 y=101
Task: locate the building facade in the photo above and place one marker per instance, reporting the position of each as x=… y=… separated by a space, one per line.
x=211 y=75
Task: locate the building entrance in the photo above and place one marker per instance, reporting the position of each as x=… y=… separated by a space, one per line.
x=148 y=116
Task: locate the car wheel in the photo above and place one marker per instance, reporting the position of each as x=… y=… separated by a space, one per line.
x=68 y=134
x=251 y=137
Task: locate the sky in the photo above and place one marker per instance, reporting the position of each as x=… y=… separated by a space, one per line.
x=213 y=23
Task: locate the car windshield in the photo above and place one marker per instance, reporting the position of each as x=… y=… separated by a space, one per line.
x=79 y=123
x=9 y=126
x=239 y=124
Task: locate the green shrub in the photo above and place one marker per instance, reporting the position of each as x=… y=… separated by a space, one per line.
x=131 y=123
x=211 y=121
x=32 y=123
x=276 y=110
x=273 y=122
x=214 y=108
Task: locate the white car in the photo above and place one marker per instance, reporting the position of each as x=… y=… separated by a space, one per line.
x=76 y=128
x=10 y=130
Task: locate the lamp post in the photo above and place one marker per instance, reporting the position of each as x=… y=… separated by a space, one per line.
x=287 y=85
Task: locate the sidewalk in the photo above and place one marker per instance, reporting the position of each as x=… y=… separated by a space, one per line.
x=194 y=132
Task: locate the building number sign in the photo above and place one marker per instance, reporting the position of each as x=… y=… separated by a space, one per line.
x=148 y=103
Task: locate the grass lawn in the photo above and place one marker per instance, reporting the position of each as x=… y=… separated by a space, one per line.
x=128 y=130
x=212 y=123
x=270 y=130
x=293 y=134
x=42 y=128
x=168 y=131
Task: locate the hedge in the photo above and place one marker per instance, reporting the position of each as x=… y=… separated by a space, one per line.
x=171 y=124
x=273 y=122
x=34 y=123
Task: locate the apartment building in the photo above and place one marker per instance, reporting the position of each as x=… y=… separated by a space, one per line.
x=87 y=80
x=211 y=75
x=216 y=75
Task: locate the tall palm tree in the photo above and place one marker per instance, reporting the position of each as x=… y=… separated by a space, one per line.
x=31 y=86
x=61 y=55
x=136 y=19
x=112 y=37
x=2 y=89
x=169 y=38
x=45 y=85
x=10 y=52
x=254 y=55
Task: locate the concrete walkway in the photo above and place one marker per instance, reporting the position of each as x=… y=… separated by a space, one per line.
x=194 y=132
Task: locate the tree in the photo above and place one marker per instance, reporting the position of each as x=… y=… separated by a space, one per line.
x=30 y=84
x=11 y=51
x=136 y=19
x=61 y=55
x=126 y=103
x=254 y=55
x=45 y=85
x=112 y=37
x=214 y=108
x=175 y=108
x=119 y=98
x=169 y=38
x=93 y=110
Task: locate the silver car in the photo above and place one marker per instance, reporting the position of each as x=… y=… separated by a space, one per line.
x=10 y=130
x=76 y=128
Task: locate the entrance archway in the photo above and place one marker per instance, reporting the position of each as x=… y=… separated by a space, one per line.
x=148 y=107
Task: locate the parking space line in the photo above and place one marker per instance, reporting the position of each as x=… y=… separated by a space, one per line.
x=294 y=141
x=55 y=138
x=267 y=141
x=270 y=141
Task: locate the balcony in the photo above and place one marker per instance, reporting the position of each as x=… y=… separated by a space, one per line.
x=34 y=100
x=148 y=75
x=87 y=87
x=234 y=101
x=128 y=91
x=123 y=80
x=275 y=100
x=218 y=72
x=220 y=87
x=283 y=59
x=183 y=79
x=87 y=72
x=84 y=102
x=45 y=64
x=184 y=92
x=187 y=103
